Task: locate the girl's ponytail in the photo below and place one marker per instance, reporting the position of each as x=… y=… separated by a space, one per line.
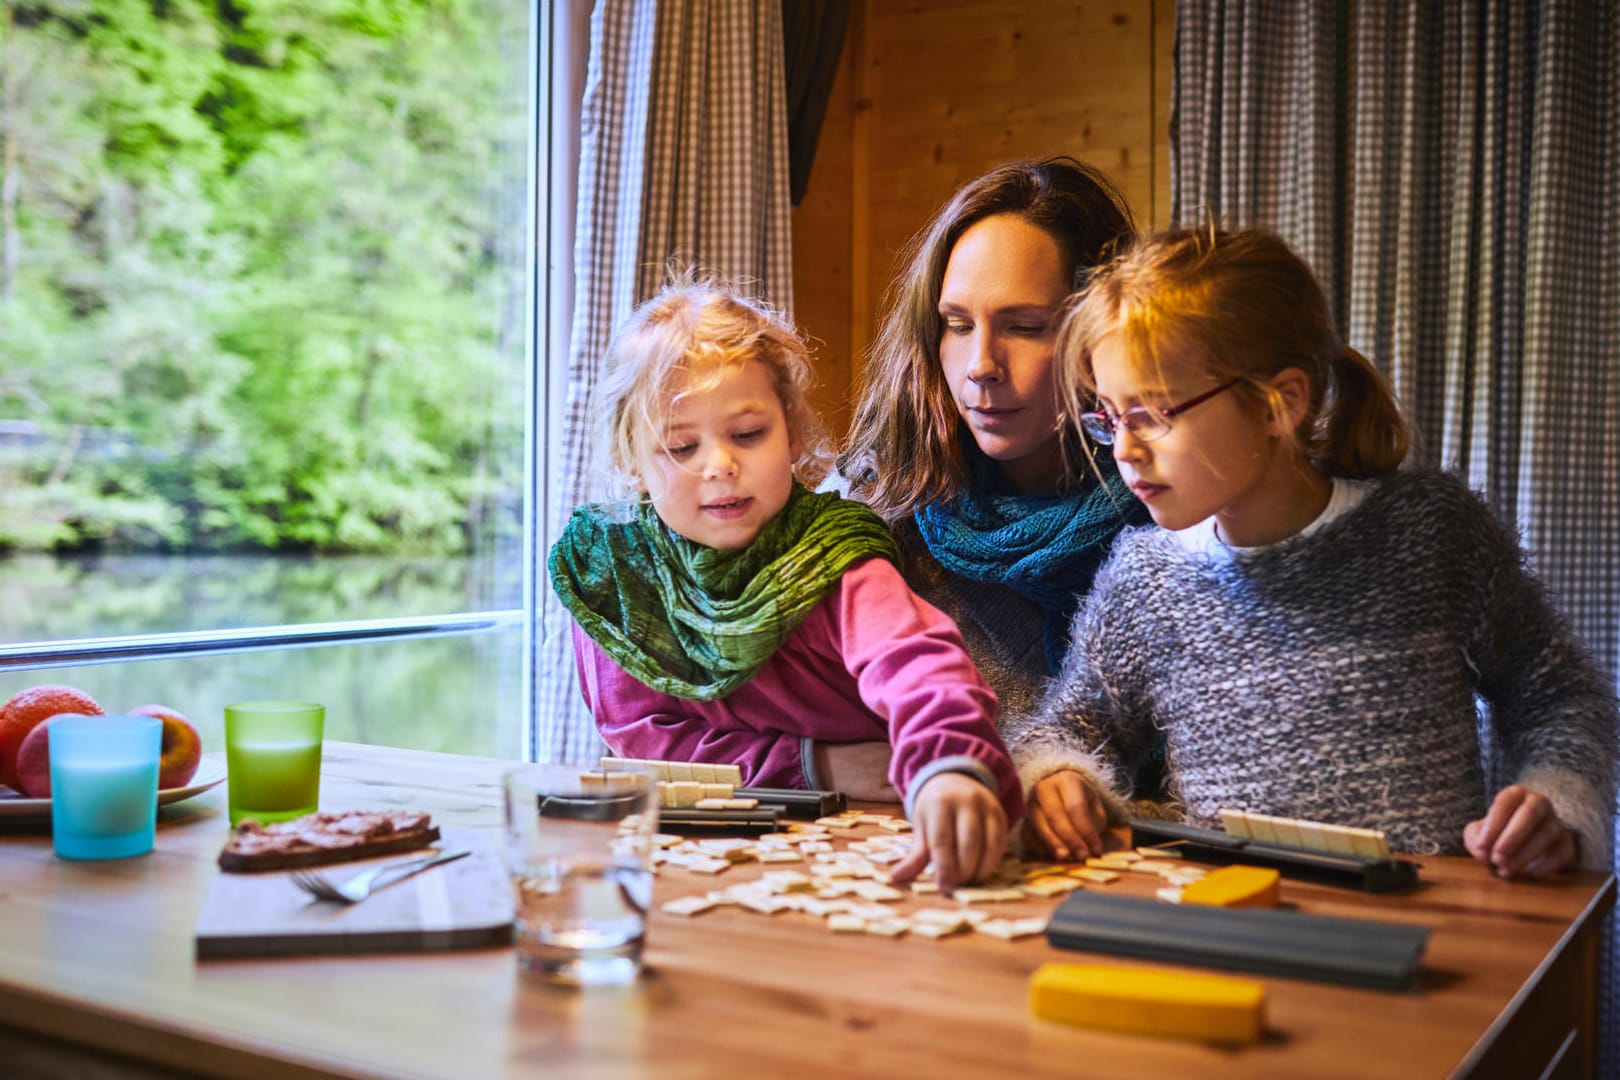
x=1252 y=308
x=1361 y=431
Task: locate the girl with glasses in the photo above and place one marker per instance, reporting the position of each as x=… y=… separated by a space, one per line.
x=958 y=439
x=1308 y=629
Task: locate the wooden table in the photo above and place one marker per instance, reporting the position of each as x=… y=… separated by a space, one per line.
x=98 y=978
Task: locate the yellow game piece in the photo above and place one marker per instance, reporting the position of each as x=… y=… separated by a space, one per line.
x=1190 y=1005
x=1158 y=853
x=1235 y=887
x=1050 y=886
x=1260 y=828
x=1286 y=832
x=1235 y=822
x=1369 y=843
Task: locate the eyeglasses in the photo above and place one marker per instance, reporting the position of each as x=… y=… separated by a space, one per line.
x=1144 y=422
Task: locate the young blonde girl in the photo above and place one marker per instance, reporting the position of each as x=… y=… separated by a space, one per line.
x=732 y=615
x=1308 y=628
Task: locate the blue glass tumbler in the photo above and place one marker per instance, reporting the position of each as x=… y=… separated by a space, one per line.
x=104 y=785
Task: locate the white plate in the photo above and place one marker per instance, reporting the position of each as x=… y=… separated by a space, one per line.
x=14 y=807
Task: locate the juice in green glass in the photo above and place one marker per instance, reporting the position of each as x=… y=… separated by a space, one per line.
x=273 y=759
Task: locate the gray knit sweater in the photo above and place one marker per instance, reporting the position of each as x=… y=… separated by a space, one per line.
x=1333 y=677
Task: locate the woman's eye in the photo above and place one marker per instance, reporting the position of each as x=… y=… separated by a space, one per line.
x=958 y=328
x=1029 y=329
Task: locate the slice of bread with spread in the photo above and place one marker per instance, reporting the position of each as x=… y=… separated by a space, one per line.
x=329 y=836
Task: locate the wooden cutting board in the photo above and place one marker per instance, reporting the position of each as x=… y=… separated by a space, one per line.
x=461 y=905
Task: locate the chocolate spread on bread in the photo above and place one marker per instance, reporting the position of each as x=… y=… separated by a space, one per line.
x=329 y=836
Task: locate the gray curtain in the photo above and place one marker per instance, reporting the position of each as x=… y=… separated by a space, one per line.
x=1448 y=168
x=683 y=156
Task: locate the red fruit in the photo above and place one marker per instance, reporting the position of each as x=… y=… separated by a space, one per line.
x=182 y=746
x=30 y=708
x=34 y=762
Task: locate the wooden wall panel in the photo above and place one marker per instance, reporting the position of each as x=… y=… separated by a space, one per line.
x=930 y=94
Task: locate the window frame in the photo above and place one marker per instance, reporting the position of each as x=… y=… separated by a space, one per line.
x=539 y=305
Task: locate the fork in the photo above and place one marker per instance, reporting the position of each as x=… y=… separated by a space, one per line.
x=362 y=884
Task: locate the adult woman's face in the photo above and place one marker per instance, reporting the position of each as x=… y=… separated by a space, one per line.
x=1003 y=286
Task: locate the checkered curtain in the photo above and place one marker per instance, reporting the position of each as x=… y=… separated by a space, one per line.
x=683 y=157
x=1448 y=169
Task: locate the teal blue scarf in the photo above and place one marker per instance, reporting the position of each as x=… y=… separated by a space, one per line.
x=1045 y=547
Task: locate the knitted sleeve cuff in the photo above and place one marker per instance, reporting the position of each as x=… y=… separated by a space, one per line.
x=1581 y=807
x=1038 y=760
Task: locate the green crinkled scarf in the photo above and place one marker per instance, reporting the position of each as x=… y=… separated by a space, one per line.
x=695 y=622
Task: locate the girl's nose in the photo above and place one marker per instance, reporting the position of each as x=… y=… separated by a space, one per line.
x=1127 y=447
x=719 y=463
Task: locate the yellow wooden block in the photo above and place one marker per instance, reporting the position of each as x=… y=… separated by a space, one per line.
x=1235 y=887
x=1185 y=1004
x=1235 y=822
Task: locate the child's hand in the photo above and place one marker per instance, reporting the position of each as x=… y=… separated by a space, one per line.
x=858 y=769
x=1520 y=835
x=960 y=824
x=1066 y=817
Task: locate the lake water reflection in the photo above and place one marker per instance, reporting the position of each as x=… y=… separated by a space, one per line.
x=459 y=694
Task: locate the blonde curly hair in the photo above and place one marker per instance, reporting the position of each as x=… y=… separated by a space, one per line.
x=683 y=341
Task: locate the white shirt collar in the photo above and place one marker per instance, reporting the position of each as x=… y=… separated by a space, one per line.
x=1204 y=539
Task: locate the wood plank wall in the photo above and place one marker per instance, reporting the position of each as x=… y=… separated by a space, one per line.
x=931 y=93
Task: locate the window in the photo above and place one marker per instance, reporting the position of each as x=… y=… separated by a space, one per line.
x=266 y=382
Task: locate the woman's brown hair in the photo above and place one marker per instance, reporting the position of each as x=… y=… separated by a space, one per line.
x=903 y=452
x=1250 y=307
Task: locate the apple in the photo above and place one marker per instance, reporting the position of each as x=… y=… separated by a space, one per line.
x=27 y=710
x=34 y=761
x=182 y=746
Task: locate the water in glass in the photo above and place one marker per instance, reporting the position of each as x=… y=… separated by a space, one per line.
x=582 y=921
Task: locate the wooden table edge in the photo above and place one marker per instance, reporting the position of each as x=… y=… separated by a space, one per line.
x=1589 y=922
x=102 y=1031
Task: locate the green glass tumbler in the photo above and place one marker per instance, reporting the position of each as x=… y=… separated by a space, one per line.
x=273 y=759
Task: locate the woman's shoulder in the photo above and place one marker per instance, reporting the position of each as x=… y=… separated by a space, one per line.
x=836 y=483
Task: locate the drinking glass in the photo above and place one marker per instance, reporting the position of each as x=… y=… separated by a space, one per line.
x=273 y=759
x=104 y=785
x=579 y=847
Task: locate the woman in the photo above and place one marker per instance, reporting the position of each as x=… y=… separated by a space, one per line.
x=958 y=441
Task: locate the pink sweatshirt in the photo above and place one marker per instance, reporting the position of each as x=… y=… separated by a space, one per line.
x=872 y=661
